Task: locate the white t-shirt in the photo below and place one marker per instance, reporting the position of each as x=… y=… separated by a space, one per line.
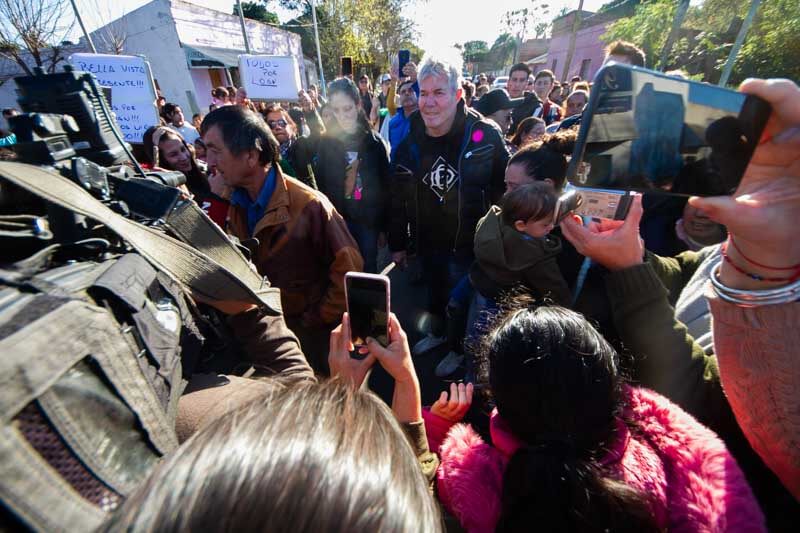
x=187 y=131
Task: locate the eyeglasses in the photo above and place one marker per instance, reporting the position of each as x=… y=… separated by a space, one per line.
x=275 y=123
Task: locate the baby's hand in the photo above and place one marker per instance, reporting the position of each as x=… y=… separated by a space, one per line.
x=456 y=407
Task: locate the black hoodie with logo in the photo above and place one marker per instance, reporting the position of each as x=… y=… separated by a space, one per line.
x=446 y=184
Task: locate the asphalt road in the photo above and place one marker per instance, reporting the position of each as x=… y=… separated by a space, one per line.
x=408 y=300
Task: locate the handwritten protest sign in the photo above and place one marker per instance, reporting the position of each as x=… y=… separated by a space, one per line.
x=270 y=77
x=133 y=93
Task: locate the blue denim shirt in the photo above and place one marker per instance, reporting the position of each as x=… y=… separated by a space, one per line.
x=255 y=210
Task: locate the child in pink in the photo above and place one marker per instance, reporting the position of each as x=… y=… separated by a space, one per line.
x=575 y=449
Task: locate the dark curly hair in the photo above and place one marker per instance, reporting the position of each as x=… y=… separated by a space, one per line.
x=547 y=158
x=557 y=385
x=242 y=130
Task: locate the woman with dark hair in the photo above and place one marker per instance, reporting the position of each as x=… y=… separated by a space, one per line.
x=529 y=131
x=545 y=160
x=352 y=170
x=219 y=97
x=306 y=458
x=297 y=152
x=165 y=148
x=576 y=449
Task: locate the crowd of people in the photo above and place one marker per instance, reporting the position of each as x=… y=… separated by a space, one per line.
x=632 y=375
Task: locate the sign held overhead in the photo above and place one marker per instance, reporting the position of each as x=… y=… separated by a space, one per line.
x=133 y=93
x=270 y=77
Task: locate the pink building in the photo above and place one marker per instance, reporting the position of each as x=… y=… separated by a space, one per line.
x=588 y=55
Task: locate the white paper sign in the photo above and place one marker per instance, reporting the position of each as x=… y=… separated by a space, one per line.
x=270 y=77
x=133 y=93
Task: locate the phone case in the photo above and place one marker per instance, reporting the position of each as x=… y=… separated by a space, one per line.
x=378 y=277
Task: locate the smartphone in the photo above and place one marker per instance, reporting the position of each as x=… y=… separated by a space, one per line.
x=645 y=131
x=367 y=298
x=594 y=203
x=403 y=57
x=566 y=204
x=347 y=65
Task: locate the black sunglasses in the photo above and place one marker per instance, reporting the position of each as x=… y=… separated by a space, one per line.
x=272 y=123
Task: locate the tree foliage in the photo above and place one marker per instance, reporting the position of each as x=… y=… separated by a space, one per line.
x=31 y=32
x=371 y=31
x=647 y=28
x=474 y=51
x=770 y=49
x=256 y=11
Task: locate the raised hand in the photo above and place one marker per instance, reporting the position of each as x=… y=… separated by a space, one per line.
x=456 y=406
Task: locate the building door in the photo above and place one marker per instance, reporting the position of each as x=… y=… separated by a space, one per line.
x=586 y=64
x=217 y=80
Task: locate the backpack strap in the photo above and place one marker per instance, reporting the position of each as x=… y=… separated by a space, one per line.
x=216 y=271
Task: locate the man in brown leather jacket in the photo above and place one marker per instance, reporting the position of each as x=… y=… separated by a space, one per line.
x=298 y=240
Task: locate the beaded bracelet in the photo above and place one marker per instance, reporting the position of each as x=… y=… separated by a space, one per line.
x=753 y=298
x=757 y=277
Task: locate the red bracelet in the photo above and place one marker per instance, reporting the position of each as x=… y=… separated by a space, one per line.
x=793 y=267
x=750 y=275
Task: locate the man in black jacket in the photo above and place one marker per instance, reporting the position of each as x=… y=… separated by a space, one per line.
x=517 y=88
x=445 y=175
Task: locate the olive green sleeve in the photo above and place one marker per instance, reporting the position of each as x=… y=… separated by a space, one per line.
x=664 y=357
x=428 y=461
x=675 y=272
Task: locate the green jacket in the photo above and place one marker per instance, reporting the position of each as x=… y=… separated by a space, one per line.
x=506 y=258
x=667 y=360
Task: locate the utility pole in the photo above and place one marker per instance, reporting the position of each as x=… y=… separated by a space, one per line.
x=244 y=28
x=319 y=54
x=83 y=27
x=575 y=25
x=680 y=14
x=748 y=21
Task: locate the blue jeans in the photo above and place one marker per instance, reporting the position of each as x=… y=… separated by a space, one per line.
x=442 y=272
x=367 y=241
x=481 y=312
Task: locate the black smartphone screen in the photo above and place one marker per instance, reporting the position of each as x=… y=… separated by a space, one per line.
x=347 y=66
x=367 y=306
x=651 y=132
x=403 y=57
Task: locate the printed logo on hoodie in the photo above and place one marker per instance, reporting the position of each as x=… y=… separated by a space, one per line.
x=441 y=177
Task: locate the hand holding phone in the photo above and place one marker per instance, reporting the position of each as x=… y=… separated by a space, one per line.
x=342 y=365
x=403 y=57
x=347 y=66
x=614 y=244
x=368 y=307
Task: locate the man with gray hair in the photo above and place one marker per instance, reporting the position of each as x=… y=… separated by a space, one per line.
x=445 y=175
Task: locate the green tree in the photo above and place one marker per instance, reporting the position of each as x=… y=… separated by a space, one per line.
x=474 y=51
x=771 y=48
x=371 y=31
x=502 y=51
x=647 y=28
x=256 y=11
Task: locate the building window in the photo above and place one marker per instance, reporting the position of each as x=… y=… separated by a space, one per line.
x=553 y=66
x=586 y=64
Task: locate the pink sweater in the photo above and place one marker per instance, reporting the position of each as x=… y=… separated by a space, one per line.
x=759 y=368
x=693 y=483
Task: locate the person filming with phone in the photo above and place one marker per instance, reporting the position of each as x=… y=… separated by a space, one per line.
x=744 y=388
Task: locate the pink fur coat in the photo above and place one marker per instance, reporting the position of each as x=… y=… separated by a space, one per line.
x=692 y=481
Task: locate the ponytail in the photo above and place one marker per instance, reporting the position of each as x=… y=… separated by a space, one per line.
x=549 y=487
x=556 y=385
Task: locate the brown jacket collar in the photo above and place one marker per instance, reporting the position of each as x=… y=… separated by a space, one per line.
x=277 y=211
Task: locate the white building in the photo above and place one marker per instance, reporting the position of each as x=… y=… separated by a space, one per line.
x=191 y=49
